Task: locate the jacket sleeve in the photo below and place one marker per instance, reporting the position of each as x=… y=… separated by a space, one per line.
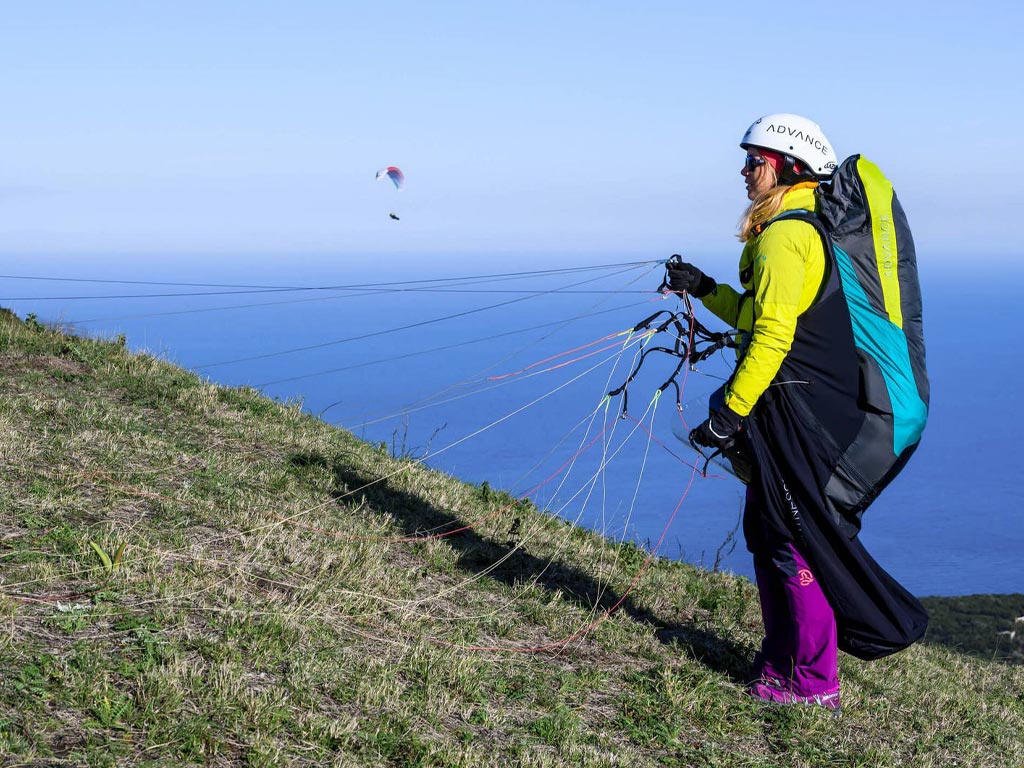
x=779 y=272
x=724 y=303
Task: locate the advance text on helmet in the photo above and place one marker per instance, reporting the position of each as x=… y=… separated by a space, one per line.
x=798 y=134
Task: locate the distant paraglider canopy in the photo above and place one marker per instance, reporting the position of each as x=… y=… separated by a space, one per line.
x=394 y=173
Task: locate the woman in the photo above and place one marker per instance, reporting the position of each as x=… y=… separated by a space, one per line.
x=783 y=270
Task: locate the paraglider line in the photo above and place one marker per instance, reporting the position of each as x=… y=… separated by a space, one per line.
x=386 y=331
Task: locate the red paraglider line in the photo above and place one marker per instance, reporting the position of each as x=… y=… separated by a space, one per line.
x=578 y=633
x=531 y=366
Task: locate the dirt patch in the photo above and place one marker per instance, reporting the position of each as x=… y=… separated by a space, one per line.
x=47 y=363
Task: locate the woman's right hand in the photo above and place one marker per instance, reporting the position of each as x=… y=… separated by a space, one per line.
x=683 y=276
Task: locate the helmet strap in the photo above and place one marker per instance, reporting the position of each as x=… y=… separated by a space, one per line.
x=789 y=175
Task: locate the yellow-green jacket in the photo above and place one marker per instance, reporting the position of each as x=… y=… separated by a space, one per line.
x=781 y=271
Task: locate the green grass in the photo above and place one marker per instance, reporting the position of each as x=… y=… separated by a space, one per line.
x=268 y=607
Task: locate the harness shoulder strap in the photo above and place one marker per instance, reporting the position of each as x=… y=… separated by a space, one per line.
x=806 y=216
x=811 y=218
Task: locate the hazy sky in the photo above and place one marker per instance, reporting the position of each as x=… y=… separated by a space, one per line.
x=545 y=127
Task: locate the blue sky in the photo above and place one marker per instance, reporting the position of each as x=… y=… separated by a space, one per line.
x=534 y=127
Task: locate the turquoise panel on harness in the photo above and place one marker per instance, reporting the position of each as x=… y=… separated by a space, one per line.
x=886 y=343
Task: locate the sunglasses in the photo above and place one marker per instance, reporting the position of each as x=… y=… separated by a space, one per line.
x=752 y=162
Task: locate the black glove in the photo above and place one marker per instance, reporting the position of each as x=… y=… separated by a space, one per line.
x=683 y=276
x=719 y=431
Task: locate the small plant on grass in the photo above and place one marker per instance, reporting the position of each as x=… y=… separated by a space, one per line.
x=110 y=564
x=109 y=713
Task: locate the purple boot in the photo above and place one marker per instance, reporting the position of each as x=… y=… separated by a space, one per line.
x=771 y=692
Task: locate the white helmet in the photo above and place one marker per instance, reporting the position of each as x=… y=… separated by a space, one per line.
x=795 y=136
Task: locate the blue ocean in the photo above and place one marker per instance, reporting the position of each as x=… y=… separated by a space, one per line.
x=500 y=370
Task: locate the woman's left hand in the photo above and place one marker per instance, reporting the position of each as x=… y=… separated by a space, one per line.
x=719 y=431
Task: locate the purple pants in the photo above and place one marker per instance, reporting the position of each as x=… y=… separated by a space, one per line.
x=799 y=652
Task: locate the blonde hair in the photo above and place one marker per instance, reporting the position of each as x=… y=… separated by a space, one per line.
x=762 y=208
x=765 y=206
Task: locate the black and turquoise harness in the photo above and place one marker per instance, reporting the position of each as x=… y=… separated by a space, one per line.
x=844 y=414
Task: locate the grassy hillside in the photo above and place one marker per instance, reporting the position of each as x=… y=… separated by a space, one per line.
x=195 y=575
